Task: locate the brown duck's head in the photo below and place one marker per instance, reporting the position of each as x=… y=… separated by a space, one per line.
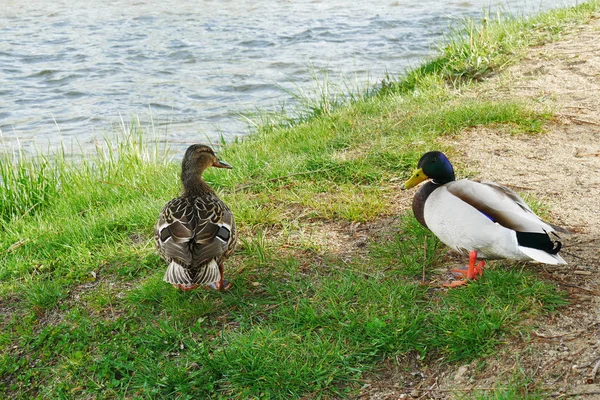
x=198 y=157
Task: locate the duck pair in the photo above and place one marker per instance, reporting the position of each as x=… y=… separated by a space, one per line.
x=195 y=232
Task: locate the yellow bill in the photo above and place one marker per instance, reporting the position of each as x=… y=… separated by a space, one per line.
x=418 y=177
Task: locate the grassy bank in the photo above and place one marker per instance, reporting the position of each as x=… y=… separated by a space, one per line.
x=327 y=277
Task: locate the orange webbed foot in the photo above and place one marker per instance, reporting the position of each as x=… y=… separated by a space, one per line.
x=472 y=273
x=479 y=269
x=454 y=284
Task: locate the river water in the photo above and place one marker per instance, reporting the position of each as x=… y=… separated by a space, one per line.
x=71 y=70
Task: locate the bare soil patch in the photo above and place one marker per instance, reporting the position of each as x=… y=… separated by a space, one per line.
x=562 y=169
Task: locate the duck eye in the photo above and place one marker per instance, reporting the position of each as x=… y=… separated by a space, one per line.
x=434 y=159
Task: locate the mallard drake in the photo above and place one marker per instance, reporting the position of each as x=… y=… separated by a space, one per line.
x=484 y=219
x=195 y=232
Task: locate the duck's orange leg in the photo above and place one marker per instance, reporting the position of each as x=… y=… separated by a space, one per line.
x=223 y=284
x=473 y=272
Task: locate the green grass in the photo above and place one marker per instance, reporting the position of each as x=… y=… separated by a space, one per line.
x=473 y=50
x=84 y=312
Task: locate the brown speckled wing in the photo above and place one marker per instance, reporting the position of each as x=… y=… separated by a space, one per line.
x=194 y=232
x=173 y=232
x=214 y=232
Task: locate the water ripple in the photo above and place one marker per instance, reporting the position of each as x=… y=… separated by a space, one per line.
x=71 y=73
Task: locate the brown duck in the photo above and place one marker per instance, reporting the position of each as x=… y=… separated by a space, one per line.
x=195 y=232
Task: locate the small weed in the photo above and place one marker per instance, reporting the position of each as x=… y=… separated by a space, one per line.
x=45 y=295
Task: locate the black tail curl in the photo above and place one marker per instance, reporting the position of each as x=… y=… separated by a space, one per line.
x=556 y=247
x=539 y=241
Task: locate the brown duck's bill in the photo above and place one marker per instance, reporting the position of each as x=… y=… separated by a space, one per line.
x=418 y=177
x=222 y=164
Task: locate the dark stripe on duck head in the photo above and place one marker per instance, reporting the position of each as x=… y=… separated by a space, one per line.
x=539 y=241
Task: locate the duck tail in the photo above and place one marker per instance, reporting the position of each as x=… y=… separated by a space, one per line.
x=540 y=247
x=176 y=274
x=542 y=256
x=539 y=241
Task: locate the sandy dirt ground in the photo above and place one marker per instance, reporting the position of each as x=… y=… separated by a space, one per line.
x=560 y=167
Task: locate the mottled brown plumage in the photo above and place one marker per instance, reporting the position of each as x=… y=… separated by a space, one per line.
x=195 y=232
